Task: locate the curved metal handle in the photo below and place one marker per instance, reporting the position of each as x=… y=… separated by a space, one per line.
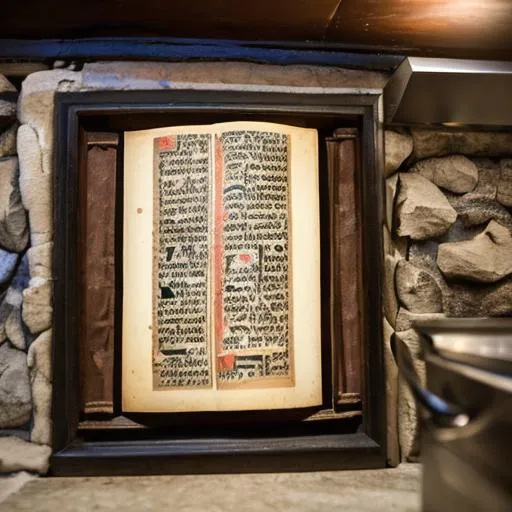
x=443 y=413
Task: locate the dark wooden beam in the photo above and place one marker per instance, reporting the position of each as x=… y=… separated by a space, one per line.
x=169 y=49
x=473 y=29
x=477 y=29
x=262 y=19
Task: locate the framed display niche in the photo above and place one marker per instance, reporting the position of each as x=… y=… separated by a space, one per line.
x=348 y=430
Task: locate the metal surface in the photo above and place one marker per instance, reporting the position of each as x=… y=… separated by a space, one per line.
x=485 y=343
x=451 y=92
x=442 y=412
x=466 y=466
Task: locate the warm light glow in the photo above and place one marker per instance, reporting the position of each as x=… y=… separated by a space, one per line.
x=455 y=18
x=472 y=11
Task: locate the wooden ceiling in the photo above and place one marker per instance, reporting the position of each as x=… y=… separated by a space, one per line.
x=451 y=28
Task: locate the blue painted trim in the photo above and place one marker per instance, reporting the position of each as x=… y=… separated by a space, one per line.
x=192 y=49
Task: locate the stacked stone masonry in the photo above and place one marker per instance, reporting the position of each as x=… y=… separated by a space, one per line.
x=448 y=245
x=26 y=152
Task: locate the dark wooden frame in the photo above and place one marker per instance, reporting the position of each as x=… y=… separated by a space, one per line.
x=73 y=455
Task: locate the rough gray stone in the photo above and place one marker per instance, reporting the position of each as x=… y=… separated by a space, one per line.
x=429 y=143
x=476 y=300
x=504 y=193
x=460 y=231
x=474 y=209
x=387 y=241
x=423 y=254
x=405 y=318
x=15 y=400
x=35 y=186
x=461 y=301
x=393 y=447
x=22 y=276
x=8 y=262
x=40 y=260
x=5 y=85
x=488 y=178
x=19 y=455
x=8 y=141
x=13 y=218
x=417 y=290
x=486 y=258
x=18 y=335
x=423 y=211
x=14 y=328
x=401 y=246
x=390 y=302
x=397 y=148
x=36 y=108
x=4 y=313
x=7 y=112
x=394 y=245
x=496 y=300
x=14 y=297
x=455 y=173
x=10 y=308
x=13 y=324
x=391 y=188
x=37 y=309
x=408 y=421
x=39 y=364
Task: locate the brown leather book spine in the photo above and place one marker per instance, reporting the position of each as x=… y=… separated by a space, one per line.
x=98 y=273
x=345 y=261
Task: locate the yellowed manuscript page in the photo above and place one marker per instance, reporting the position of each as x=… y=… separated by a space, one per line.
x=221 y=290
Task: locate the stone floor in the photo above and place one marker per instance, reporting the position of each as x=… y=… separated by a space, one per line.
x=386 y=490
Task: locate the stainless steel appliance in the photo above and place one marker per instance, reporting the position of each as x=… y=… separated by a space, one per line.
x=466 y=412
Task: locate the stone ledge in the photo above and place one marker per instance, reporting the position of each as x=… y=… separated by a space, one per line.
x=158 y=75
x=396 y=489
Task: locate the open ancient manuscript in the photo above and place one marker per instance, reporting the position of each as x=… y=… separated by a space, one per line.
x=221 y=285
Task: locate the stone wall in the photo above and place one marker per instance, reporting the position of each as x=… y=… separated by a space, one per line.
x=439 y=208
x=26 y=220
x=26 y=142
x=448 y=244
x=22 y=345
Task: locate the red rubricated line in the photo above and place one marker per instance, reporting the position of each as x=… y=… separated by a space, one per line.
x=218 y=248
